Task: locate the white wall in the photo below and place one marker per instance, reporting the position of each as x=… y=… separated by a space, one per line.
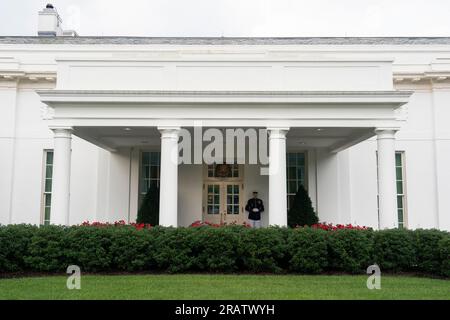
x=346 y=182
x=8 y=95
x=441 y=116
x=197 y=72
x=190 y=193
x=24 y=138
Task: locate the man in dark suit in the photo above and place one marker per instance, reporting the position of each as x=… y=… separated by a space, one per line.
x=254 y=208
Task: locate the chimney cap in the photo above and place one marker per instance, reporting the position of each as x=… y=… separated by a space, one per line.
x=49 y=6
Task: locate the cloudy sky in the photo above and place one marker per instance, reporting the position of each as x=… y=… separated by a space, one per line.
x=235 y=17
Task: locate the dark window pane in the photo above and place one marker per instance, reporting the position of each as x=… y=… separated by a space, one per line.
x=398 y=159
x=47 y=213
x=400 y=187
x=146 y=170
x=153 y=172
x=49 y=157
x=301 y=159
x=229 y=209
x=292 y=186
x=399 y=202
x=236 y=209
x=154 y=158
x=145 y=158
x=48 y=185
x=399 y=173
x=292 y=173
x=153 y=184
x=300 y=173
x=48 y=172
x=48 y=200
x=400 y=215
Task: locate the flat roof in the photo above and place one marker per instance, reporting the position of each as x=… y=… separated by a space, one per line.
x=227 y=40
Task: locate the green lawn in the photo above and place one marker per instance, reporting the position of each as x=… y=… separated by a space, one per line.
x=224 y=287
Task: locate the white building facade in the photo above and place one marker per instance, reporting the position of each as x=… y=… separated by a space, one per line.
x=88 y=125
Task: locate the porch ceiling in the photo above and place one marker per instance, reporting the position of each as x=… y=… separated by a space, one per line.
x=113 y=138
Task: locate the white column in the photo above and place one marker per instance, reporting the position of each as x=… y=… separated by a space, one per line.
x=59 y=213
x=277 y=176
x=168 y=186
x=386 y=179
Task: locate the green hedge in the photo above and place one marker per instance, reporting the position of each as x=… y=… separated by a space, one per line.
x=25 y=248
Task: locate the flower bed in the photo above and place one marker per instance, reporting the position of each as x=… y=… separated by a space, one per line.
x=119 y=223
x=331 y=227
x=200 y=223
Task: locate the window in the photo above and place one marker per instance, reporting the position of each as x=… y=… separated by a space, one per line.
x=47 y=194
x=401 y=188
x=401 y=192
x=233 y=199
x=149 y=174
x=213 y=198
x=295 y=174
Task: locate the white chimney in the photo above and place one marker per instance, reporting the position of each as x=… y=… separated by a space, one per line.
x=49 y=23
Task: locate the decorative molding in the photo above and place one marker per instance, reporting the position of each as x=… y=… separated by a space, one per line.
x=55 y=97
x=15 y=75
x=428 y=77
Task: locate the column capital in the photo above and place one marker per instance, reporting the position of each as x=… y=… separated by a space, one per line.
x=169 y=131
x=277 y=132
x=385 y=131
x=62 y=132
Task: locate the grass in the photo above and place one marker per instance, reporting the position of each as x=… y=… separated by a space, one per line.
x=230 y=287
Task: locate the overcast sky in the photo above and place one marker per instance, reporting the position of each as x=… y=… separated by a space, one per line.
x=246 y=18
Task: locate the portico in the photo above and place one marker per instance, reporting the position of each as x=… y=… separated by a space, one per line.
x=349 y=117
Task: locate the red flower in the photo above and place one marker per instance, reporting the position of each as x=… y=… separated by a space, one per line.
x=120 y=223
x=331 y=227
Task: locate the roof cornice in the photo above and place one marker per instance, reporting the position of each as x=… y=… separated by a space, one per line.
x=125 y=40
x=253 y=97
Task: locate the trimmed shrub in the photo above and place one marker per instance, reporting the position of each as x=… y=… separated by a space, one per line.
x=350 y=250
x=120 y=247
x=428 y=250
x=46 y=251
x=132 y=250
x=173 y=249
x=444 y=254
x=394 y=250
x=215 y=249
x=89 y=248
x=14 y=245
x=264 y=250
x=308 y=250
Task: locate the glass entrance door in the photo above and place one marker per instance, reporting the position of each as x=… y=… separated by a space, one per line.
x=223 y=203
